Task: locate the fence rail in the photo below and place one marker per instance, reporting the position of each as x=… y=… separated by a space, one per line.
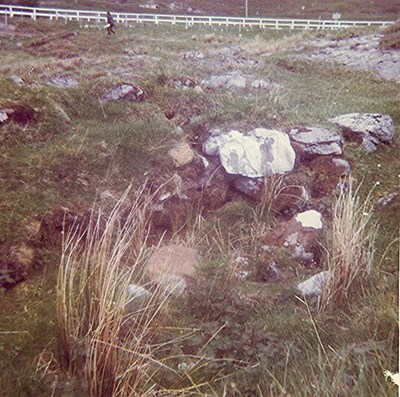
x=87 y=16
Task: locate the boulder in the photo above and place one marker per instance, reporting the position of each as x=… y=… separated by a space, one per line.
x=317 y=141
x=172 y=267
x=314 y=285
x=260 y=153
x=124 y=91
x=369 y=129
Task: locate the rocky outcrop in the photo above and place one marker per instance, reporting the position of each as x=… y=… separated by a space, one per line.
x=260 y=153
x=360 y=52
x=370 y=129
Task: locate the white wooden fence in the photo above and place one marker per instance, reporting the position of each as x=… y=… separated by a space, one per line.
x=129 y=19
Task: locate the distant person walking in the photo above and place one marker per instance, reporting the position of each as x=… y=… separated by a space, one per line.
x=111 y=23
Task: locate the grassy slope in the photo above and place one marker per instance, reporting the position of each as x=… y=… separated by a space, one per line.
x=104 y=148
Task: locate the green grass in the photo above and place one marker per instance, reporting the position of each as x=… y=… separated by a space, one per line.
x=272 y=343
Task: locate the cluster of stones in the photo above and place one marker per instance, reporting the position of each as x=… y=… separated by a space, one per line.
x=249 y=158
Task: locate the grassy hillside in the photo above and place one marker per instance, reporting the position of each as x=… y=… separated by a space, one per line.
x=79 y=150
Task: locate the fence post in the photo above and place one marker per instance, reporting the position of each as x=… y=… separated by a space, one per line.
x=34 y=14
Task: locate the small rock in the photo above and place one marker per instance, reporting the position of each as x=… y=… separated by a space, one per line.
x=343 y=164
x=185 y=82
x=314 y=285
x=181 y=154
x=63 y=82
x=310 y=218
x=126 y=92
x=387 y=200
x=137 y=297
x=198 y=89
x=299 y=236
x=259 y=84
x=209 y=38
x=193 y=55
x=136 y=291
x=17 y=79
x=251 y=187
x=172 y=266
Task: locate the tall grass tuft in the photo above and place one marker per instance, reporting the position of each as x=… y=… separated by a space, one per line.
x=99 y=338
x=351 y=249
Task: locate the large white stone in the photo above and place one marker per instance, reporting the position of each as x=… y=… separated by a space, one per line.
x=260 y=153
x=310 y=218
